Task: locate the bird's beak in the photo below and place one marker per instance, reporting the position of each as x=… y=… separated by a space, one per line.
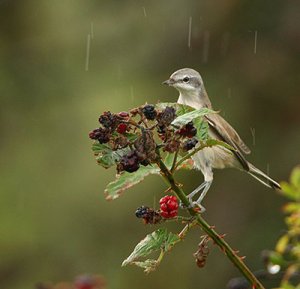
x=169 y=82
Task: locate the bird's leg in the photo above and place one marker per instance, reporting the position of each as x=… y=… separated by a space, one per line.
x=202 y=195
x=196 y=191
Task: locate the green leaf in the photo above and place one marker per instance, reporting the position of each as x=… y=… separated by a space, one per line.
x=105 y=156
x=292 y=190
x=187 y=117
x=131 y=136
x=295 y=177
x=276 y=259
x=127 y=180
x=98 y=147
x=282 y=244
x=168 y=161
x=159 y=240
x=215 y=142
x=202 y=129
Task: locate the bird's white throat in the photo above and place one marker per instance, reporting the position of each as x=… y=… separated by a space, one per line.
x=191 y=98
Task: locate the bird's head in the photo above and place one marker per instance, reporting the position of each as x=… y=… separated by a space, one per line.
x=186 y=81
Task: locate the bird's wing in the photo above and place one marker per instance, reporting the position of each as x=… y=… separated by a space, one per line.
x=227 y=134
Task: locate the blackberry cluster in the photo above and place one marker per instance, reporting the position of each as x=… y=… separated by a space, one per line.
x=187 y=130
x=109 y=120
x=189 y=144
x=132 y=137
x=149 y=111
x=149 y=215
x=129 y=163
x=100 y=134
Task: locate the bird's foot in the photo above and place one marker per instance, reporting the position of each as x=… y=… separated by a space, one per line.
x=193 y=205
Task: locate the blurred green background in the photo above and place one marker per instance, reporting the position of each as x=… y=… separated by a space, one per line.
x=54 y=220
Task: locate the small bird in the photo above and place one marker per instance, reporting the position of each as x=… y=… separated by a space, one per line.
x=192 y=92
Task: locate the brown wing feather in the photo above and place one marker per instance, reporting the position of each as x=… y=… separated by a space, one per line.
x=227 y=133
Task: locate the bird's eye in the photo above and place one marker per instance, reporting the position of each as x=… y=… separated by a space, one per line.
x=186 y=79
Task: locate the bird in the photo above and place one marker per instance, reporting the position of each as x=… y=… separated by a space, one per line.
x=192 y=92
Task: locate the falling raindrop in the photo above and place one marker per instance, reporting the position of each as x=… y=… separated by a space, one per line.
x=190 y=32
x=255 y=41
x=252 y=129
x=144 y=11
x=88 y=47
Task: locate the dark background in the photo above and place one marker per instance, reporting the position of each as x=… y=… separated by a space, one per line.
x=54 y=220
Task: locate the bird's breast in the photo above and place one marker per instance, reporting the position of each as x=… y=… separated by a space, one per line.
x=216 y=157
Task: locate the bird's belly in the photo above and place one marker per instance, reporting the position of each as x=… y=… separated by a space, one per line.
x=216 y=157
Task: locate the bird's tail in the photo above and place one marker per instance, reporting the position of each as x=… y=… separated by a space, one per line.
x=262 y=177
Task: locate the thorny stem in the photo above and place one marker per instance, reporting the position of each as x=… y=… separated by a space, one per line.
x=174 y=161
x=219 y=240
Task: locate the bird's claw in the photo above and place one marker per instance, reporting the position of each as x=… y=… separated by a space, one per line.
x=193 y=205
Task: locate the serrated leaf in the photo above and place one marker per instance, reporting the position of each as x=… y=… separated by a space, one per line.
x=282 y=244
x=187 y=165
x=131 y=136
x=127 y=180
x=108 y=158
x=202 y=129
x=159 y=240
x=98 y=147
x=190 y=116
x=105 y=156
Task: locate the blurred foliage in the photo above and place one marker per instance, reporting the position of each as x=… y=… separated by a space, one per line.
x=286 y=256
x=54 y=223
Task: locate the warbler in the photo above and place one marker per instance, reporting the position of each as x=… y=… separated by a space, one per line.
x=192 y=92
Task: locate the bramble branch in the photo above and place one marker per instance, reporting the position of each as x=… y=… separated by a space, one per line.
x=218 y=239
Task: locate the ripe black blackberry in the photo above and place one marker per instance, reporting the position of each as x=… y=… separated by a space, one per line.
x=148 y=215
x=149 y=111
x=188 y=130
x=100 y=134
x=109 y=120
x=165 y=117
x=189 y=144
x=129 y=163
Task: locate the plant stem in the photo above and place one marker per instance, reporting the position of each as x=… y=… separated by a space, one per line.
x=219 y=240
x=174 y=161
x=186 y=157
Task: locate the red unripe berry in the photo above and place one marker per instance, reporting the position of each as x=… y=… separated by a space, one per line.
x=122 y=127
x=123 y=114
x=165 y=214
x=173 y=214
x=168 y=206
